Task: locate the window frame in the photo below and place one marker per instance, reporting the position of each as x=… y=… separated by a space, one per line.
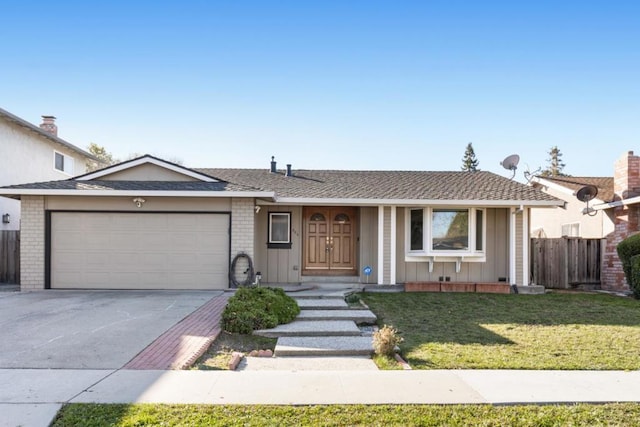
x=278 y=244
x=427 y=234
x=68 y=163
x=572 y=226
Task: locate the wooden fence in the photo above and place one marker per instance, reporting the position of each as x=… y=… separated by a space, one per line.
x=566 y=262
x=10 y=256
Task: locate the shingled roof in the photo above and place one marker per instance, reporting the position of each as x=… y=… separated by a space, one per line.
x=72 y=184
x=604 y=184
x=307 y=186
x=383 y=185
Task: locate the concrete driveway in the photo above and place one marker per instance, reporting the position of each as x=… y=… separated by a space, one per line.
x=87 y=329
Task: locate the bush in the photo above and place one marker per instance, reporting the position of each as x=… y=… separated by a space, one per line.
x=627 y=249
x=635 y=276
x=385 y=340
x=258 y=308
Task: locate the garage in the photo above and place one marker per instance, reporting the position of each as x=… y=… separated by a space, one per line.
x=126 y=250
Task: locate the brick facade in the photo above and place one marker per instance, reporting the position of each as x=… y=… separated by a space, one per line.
x=625 y=218
x=32 y=243
x=242 y=227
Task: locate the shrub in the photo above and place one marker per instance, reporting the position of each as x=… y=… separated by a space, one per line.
x=634 y=283
x=258 y=308
x=627 y=249
x=385 y=340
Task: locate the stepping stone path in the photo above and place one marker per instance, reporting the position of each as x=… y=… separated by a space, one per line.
x=326 y=326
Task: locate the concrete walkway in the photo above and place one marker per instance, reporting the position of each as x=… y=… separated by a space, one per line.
x=35 y=395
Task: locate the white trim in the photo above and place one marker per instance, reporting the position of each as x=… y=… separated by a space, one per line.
x=618 y=203
x=380 y=245
x=392 y=255
x=144 y=160
x=148 y=193
x=66 y=161
x=525 y=247
x=416 y=202
x=270 y=228
x=558 y=187
x=512 y=246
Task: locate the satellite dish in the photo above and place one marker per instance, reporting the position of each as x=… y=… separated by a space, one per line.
x=587 y=194
x=511 y=163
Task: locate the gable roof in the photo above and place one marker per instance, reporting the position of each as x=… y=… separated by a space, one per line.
x=327 y=186
x=305 y=186
x=604 y=184
x=33 y=128
x=146 y=159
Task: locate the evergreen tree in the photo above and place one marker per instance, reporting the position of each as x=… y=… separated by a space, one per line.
x=469 y=161
x=106 y=158
x=555 y=164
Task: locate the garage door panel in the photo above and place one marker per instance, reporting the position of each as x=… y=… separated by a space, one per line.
x=139 y=251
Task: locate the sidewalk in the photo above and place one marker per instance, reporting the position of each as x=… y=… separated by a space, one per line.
x=35 y=395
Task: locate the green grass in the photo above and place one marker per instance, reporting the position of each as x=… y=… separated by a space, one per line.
x=487 y=331
x=90 y=415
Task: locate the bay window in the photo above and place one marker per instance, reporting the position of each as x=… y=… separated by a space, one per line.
x=445 y=232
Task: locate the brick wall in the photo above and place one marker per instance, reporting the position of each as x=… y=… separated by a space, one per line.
x=625 y=219
x=242 y=227
x=32 y=243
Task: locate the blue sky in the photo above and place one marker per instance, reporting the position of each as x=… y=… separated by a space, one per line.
x=332 y=84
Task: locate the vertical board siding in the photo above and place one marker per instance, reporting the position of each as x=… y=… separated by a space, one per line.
x=566 y=262
x=10 y=256
x=368 y=249
x=387 y=245
x=496 y=249
x=519 y=252
x=278 y=266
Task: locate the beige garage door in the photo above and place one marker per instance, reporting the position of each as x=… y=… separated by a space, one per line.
x=97 y=250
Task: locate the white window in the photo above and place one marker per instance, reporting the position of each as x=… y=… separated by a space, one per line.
x=279 y=230
x=571 y=230
x=63 y=163
x=445 y=231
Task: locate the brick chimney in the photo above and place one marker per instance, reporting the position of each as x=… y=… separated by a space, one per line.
x=49 y=125
x=626 y=218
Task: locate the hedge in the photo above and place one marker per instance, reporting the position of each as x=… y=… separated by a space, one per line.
x=627 y=250
x=258 y=308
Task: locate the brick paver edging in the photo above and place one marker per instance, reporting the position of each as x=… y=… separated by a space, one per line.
x=184 y=343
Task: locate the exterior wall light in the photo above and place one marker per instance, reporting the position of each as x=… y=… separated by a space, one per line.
x=139 y=201
x=6 y=218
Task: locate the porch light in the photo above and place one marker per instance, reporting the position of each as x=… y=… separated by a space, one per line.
x=6 y=218
x=139 y=201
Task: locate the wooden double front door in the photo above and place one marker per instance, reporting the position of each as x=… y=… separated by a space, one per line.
x=329 y=240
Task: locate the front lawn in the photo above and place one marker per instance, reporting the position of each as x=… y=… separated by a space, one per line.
x=487 y=331
x=90 y=415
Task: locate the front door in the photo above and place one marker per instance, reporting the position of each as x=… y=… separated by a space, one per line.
x=329 y=238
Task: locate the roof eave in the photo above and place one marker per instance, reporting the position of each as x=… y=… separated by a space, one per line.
x=416 y=202
x=617 y=203
x=29 y=126
x=135 y=193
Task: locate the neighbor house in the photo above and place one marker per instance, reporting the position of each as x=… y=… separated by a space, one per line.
x=30 y=153
x=150 y=224
x=573 y=220
x=612 y=215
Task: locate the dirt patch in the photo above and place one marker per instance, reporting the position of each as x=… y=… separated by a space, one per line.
x=220 y=352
